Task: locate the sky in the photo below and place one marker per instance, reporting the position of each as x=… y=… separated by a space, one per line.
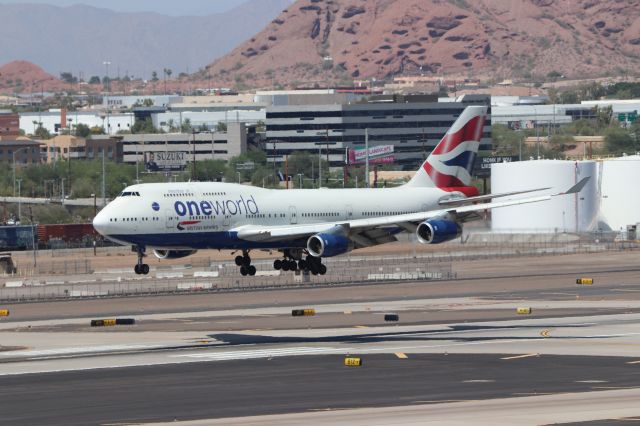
x=165 y=7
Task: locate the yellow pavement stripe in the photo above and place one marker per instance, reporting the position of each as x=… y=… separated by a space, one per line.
x=401 y=355
x=520 y=356
x=545 y=333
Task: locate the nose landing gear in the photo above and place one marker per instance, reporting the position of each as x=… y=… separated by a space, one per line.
x=141 y=268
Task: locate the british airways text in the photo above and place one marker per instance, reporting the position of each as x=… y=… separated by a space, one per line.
x=221 y=207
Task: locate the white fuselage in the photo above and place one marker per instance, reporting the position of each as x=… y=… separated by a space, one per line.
x=203 y=215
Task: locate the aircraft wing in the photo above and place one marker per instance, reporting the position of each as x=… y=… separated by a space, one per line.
x=377 y=230
x=488 y=197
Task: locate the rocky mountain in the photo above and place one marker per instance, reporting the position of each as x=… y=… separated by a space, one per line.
x=79 y=39
x=28 y=78
x=315 y=41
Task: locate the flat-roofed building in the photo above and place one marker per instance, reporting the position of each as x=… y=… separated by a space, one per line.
x=413 y=125
x=23 y=151
x=179 y=149
x=9 y=124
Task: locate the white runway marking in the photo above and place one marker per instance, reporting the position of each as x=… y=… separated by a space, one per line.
x=261 y=353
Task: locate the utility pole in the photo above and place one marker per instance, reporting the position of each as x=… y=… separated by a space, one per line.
x=19 y=201
x=104 y=187
x=193 y=169
x=108 y=88
x=366 y=157
x=319 y=166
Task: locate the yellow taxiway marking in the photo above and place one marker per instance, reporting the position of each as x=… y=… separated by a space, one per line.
x=633 y=362
x=401 y=355
x=520 y=356
x=545 y=333
x=361 y=326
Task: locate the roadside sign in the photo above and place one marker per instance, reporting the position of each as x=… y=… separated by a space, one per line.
x=482 y=165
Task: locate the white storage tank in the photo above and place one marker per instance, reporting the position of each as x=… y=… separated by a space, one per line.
x=620 y=201
x=570 y=213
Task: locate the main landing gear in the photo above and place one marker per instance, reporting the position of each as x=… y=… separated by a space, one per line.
x=312 y=264
x=244 y=262
x=141 y=268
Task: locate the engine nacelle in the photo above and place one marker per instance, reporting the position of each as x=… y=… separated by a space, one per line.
x=173 y=254
x=328 y=245
x=435 y=231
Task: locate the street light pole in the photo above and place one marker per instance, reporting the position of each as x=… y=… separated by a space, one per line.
x=13 y=160
x=104 y=187
x=366 y=157
x=19 y=203
x=106 y=64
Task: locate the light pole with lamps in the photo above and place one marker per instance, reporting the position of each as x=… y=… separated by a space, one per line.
x=108 y=88
x=13 y=161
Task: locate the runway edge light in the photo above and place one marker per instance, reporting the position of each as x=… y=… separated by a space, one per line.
x=4 y=312
x=584 y=281
x=523 y=310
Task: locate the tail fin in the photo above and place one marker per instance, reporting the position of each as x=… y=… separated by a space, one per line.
x=450 y=163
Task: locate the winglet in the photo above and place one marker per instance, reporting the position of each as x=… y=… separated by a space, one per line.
x=577 y=187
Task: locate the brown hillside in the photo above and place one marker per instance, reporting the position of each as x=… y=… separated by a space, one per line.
x=383 y=38
x=23 y=76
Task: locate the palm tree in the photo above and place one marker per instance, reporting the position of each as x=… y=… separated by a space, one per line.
x=167 y=73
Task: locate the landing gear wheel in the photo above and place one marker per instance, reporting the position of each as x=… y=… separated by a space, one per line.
x=285 y=265
x=136 y=269
x=302 y=264
x=239 y=260
x=277 y=264
x=322 y=269
x=293 y=265
x=244 y=271
x=251 y=270
x=144 y=269
x=246 y=261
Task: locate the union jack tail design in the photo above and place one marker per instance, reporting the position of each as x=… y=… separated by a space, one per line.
x=450 y=163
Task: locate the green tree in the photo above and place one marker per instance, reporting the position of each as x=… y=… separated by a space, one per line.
x=67 y=77
x=42 y=133
x=221 y=127
x=208 y=170
x=505 y=140
x=154 y=76
x=186 y=126
x=94 y=80
x=618 y=141
x=144 y=126
x=83 y=130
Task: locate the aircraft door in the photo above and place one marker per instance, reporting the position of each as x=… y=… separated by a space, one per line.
x=170 y=219
x=348 y=212
x=293 y=215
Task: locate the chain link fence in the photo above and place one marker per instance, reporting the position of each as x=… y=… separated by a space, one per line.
x=78 y=278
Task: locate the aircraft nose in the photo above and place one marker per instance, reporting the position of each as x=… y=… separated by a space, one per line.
x=101 y=223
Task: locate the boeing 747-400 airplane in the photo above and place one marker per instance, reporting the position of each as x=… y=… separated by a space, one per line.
x=176 y=219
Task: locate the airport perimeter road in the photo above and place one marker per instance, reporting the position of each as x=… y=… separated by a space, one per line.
x=298 y=384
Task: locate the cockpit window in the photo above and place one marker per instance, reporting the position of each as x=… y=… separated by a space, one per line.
x=130 y=194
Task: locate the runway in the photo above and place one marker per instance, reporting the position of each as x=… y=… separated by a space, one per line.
x=228 y=356
x=298 y=384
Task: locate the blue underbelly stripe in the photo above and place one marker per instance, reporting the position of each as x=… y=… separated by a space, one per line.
x=203 y=240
